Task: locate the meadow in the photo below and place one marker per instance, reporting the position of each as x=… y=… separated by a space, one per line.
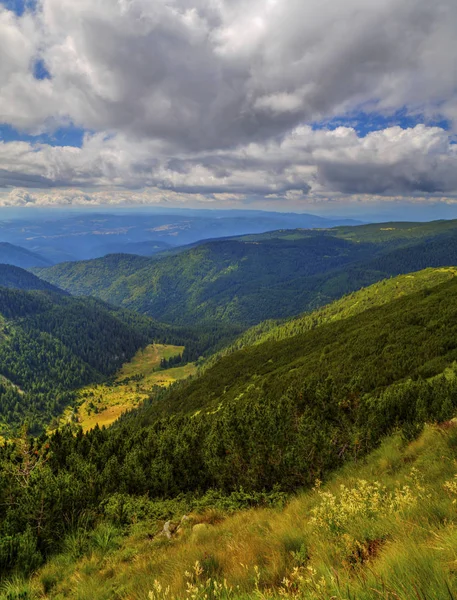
x=102 y=404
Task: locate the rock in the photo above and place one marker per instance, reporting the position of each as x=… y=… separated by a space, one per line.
x=169 y=529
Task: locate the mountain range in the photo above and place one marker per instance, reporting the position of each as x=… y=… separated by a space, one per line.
x=60 y=236
x=248 y=279
x=324 y=366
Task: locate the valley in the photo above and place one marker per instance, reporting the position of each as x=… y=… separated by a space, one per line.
x=102 y=404
x=228 y=300
x=288 y=393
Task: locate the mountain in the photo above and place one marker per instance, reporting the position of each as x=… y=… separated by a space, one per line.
x=353 y=304
x=51 y=344
x=259 y=423
x=248 y=279
x=408 y=337
x=20 y=257
x=20 y=279
x=59 y=236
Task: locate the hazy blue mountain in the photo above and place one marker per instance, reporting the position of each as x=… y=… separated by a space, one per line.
x=63 y=237
x=148 y=248
x=21 y=257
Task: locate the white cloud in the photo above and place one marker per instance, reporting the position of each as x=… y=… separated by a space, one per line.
x=306 y=162
x=211 y=74
x=210 y=96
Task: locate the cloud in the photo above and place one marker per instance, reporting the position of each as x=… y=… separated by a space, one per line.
x=213 y=96
x=209 y=74
x=304 y=163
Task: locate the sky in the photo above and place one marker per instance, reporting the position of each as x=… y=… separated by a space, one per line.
x=310 y=105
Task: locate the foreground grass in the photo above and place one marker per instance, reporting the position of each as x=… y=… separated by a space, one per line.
x=103 y=404
x=383 y=529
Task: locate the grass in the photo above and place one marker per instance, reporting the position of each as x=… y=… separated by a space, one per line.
x=385 y=528
x=377 y=294
x=103 y=404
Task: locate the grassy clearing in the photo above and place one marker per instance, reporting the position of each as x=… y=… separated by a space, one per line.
x=103 y=404
x=386 y=529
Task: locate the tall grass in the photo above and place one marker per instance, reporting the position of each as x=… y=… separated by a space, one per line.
x=385 y=529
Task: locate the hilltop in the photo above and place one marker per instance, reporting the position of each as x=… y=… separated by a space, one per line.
x=20 y=279
x=248 y=279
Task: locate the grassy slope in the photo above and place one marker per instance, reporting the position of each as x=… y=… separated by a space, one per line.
x=353 y=304
x=382 y=528
x=104 y=403
x=413 y=336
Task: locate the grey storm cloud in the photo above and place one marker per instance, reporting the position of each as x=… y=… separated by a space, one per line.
x=211 y=96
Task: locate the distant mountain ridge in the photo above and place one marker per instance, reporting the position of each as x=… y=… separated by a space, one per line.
x=61 y=237
x=247 y=279
x=21 y=257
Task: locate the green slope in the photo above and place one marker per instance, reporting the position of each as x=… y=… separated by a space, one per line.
x=353 y=304
x=414 y=336
x=252 y=278
x=50 y=344
x=380 y=528
x=273 y=416
x=232 y=281
x=20 y=279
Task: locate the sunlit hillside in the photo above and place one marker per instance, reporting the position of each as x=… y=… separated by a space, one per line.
x=384 y=527
x=101 y=404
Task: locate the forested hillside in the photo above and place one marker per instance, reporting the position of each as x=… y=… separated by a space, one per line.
x=353 y=304
x=20 y=279
x=51 y=344
x=248 y=279
x=273 y=416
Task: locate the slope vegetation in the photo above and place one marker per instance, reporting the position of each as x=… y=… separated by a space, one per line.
x=248 y=279
x=380 y=528
x=51 y=344
x=270 y=418
x=353 y=304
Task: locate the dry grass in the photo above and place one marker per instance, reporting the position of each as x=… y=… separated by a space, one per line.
x=103 y=404
x=399 y=544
